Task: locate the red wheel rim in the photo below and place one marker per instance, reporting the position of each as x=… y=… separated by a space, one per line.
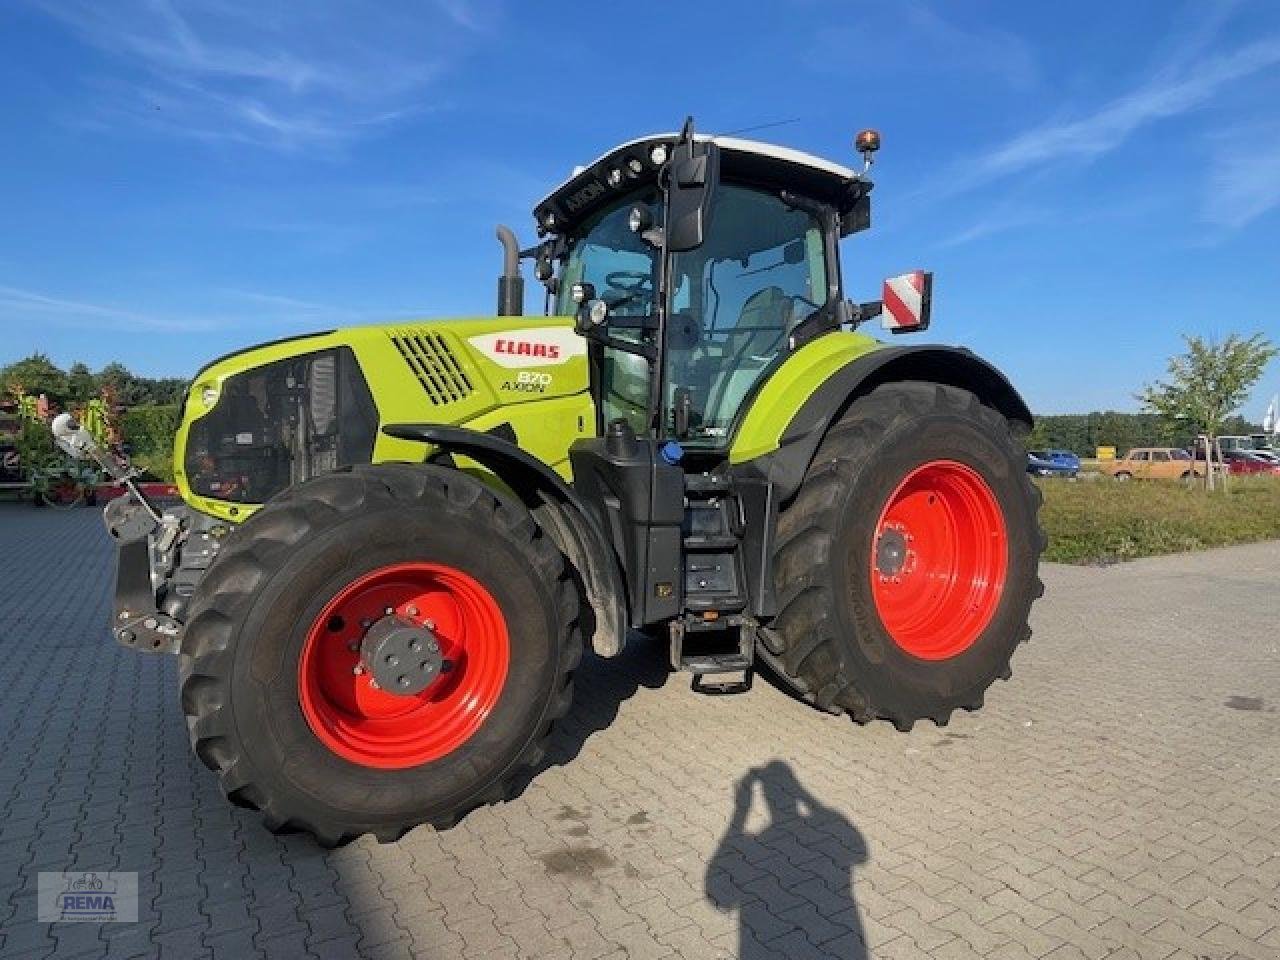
x=939 y=559
x=369 y=726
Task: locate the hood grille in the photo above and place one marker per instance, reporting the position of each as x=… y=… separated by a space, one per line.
x=433 y=363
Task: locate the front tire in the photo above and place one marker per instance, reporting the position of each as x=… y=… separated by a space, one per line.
x=906 y=563
x=278 y=701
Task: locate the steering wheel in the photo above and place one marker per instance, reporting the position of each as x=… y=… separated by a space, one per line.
x=629 y=281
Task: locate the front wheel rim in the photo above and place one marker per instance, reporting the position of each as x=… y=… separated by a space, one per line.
x=367 y=725
x=939 y=560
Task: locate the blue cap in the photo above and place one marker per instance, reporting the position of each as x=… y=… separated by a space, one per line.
x=671 y=452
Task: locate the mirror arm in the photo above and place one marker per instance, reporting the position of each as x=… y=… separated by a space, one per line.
x=826 y=318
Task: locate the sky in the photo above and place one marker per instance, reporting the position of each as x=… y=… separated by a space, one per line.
x=1088 y=181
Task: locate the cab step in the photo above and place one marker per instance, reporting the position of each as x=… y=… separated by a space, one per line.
x=719 y=653
x=719 y=675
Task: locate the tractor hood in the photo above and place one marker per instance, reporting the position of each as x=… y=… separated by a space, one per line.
x=263 y=418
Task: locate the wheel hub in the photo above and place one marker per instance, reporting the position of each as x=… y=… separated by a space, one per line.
x=891 y=552
x=401 y=656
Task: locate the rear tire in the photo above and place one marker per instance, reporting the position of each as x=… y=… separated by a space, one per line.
x=838 y=542
x=307 y=745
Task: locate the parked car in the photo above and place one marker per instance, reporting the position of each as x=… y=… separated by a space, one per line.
x=1243 y=462
x=1153 y=463
x=1052 y=463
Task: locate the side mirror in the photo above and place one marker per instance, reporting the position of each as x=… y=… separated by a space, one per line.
x=693 y=175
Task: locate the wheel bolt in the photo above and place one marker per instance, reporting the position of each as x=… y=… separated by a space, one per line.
x=433 y=646
x=390 y=611
x=357 y=670
x=411 y=610
x=415 y=645
x=429 y=624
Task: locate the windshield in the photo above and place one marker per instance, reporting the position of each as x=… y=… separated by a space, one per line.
x=732 y=304
x=623 y=269
x=618 y=263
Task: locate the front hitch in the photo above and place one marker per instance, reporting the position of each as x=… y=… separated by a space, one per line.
x=149 y=541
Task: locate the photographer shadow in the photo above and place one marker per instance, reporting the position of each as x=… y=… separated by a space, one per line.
x=800 y=827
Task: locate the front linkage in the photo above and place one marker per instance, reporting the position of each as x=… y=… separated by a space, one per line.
x=167 y=549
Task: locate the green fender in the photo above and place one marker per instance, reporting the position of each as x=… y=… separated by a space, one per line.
x=791 y=411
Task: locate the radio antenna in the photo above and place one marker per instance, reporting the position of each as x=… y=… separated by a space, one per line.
x=762 y=126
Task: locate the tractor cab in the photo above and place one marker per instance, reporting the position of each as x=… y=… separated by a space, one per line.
x=694 y=265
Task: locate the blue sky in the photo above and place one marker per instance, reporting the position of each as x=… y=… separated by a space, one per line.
x=1087 y=180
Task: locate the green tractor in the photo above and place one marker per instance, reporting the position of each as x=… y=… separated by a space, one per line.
x=397 y=540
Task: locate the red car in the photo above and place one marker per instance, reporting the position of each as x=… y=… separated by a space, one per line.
x=1241 y=462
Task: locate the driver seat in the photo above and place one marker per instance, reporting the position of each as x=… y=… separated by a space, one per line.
x=764 y=322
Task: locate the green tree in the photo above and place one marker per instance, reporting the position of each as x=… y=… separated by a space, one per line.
x=122 y=381
x=82 y=385
x=35 y=374
x=1209 y=382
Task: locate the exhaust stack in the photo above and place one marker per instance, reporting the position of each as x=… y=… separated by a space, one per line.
x=511 y=283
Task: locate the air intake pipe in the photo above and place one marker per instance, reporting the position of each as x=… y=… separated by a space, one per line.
x=510 y=284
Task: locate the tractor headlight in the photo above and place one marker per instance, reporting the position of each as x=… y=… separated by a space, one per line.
x=658 y=155
x=597 y=312
x=208 y=396
x=615 y=177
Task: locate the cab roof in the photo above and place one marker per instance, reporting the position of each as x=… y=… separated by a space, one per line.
x=630 y=166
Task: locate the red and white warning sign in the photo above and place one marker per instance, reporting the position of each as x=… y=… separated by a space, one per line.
x=907 y=299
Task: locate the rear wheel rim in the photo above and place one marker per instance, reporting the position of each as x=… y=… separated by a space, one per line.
x=939 y=560
x=374 y=728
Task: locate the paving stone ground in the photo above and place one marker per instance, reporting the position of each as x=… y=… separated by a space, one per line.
x=1119 y=798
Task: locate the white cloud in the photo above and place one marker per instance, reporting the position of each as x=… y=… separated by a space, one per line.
x=26 y=306
x=285 y=76
x=999 y=221
x=1244 y=180
x=1174 y=90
